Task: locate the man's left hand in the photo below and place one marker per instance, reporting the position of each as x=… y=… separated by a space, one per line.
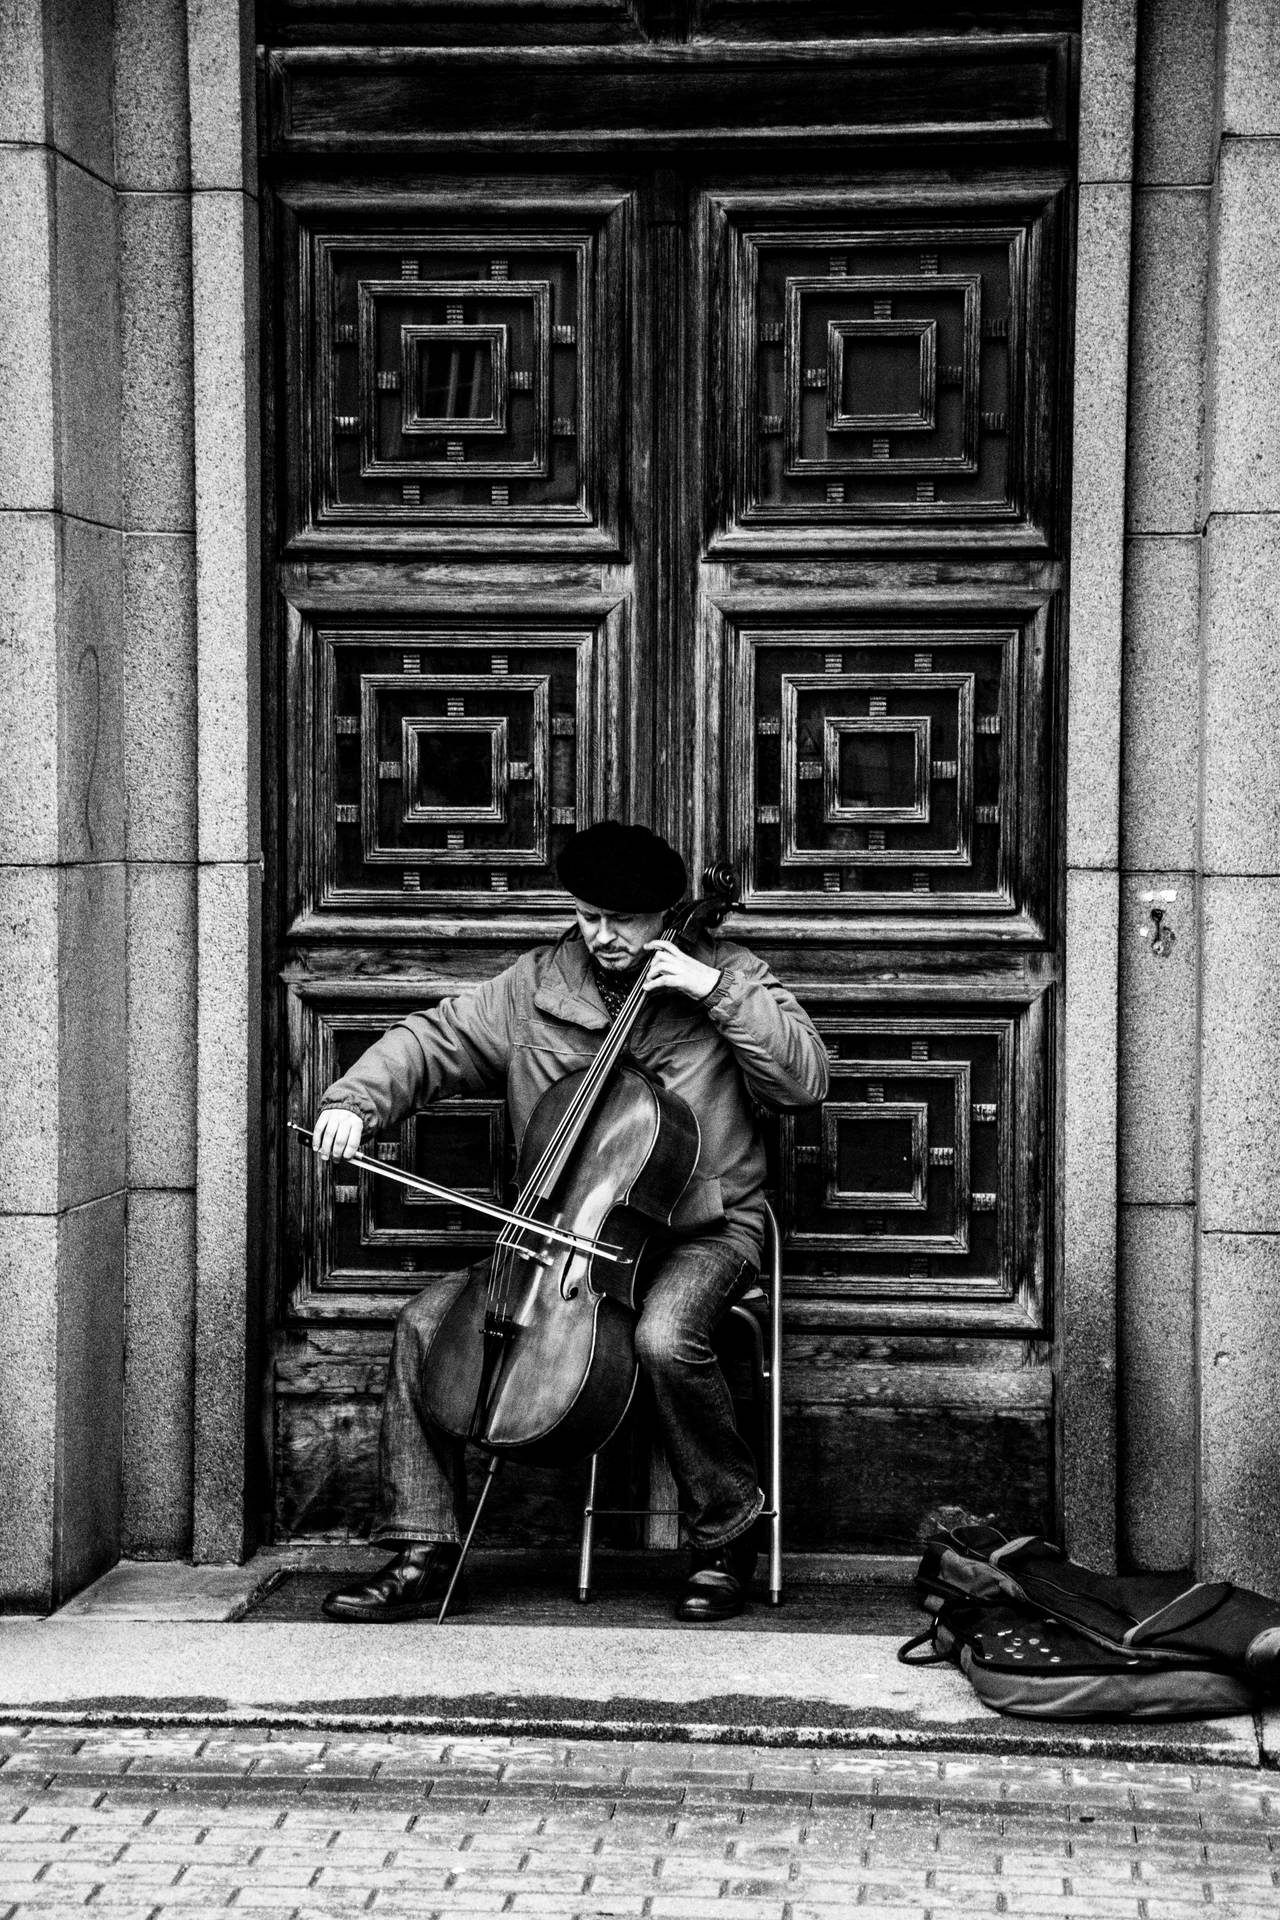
x=678 y=971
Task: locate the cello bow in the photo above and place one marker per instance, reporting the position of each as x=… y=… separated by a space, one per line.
x=580 y=1243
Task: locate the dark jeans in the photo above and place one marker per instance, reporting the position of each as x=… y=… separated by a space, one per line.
x=693 y=1285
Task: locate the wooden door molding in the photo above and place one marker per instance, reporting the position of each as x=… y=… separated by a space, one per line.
x=456 y=23
x=521 y=703
x=918 y=1196
x=1007 y=88
x=955 y=706
x=891 y=365
x=520 y=285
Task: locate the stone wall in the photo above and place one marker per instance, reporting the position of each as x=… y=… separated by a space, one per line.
x=160 y=770
x=1200 y=1026
x=122 y=864
x=1238 y=1244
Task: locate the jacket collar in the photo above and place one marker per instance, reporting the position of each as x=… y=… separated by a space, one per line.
x=567 y=990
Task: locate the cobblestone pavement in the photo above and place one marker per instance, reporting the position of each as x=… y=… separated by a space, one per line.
x=154 y=1822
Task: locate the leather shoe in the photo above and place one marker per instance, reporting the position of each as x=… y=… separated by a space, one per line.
x=719 y=1582
x=411 y=1585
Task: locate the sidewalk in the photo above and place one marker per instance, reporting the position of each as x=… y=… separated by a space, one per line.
x=160 y=1824
x=163 y=1645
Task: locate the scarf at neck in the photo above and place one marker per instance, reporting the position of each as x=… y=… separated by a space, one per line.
x=613 y=987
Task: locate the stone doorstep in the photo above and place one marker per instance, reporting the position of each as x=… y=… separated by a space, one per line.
x=172 y=1590
x=176 y=1590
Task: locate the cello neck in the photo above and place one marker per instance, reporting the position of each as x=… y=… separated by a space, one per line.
x=561 y=1147
x=683 y=925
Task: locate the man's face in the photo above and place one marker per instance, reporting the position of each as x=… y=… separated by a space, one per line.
x=616 y=940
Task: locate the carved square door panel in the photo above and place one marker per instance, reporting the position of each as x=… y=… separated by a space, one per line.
x=457 y=374
x=915 y=1193
x=359 y=1236
x=442 y=766
x=889 y=374
x=893 y=769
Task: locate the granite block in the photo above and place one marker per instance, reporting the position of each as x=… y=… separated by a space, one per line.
x=1088 y=1308
x=1243 y=396
x=28 y=445
x=88 y=336
x=29 y=1043
x=1097 y=530
x=1177 y=85
x=80 y=77
x=166 y=1590
x=28 y=1403
x=92 y=1050
x=158 y=1374
x=220 y=56
x=1240 y=1055
x=228 y=1158
x=153 y=147
x=29 y=556
x=1250 y=65
x=1107 y=34
x=156 y=427
x=162 y=1025
x=1160 y=703
x=1240 y=1409
x=1241 y=808
x=90 y=1391
x=1159 y=1054
x=90 y=694
x=224 y=253
x=22 y=99
x=160 y=695
x=1167 y=353
x=1157 y=1393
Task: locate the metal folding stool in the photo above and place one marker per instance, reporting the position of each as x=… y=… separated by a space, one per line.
x=760 y=1310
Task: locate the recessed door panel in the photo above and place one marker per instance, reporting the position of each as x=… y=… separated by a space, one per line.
x=455 y=375
x=893 y=767
x=443 y=759
x=889 y=370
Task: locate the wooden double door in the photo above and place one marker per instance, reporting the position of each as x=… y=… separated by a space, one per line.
x=725 y=492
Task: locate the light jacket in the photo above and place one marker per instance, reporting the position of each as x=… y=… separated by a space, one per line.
x=542 y=1018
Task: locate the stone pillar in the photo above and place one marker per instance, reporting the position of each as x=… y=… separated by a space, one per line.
x=62 y=835
x=225 y=255
x=1087 y=1308
x=1239 y=1211
x=154 y=176
x=1159 y=993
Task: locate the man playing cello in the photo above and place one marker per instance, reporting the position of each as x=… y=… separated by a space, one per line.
x=724 y=1031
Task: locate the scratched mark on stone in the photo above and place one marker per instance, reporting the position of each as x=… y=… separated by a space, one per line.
x=90 y=653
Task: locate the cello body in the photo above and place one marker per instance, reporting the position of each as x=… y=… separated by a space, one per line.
x=557 y=1382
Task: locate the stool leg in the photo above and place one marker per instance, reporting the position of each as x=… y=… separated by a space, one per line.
x=775 y=1464
x=775 y=1494
x=495 y=1461
x=588 y=1532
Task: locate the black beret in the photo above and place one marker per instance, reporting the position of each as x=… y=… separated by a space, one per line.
x=622 y=869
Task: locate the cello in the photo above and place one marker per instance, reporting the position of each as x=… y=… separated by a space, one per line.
x=535 y=1360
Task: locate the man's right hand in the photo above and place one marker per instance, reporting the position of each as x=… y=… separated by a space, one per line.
x=337 y=1134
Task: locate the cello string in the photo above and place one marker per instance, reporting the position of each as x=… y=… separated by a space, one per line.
x=502 y=1269
x=502 y=1264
